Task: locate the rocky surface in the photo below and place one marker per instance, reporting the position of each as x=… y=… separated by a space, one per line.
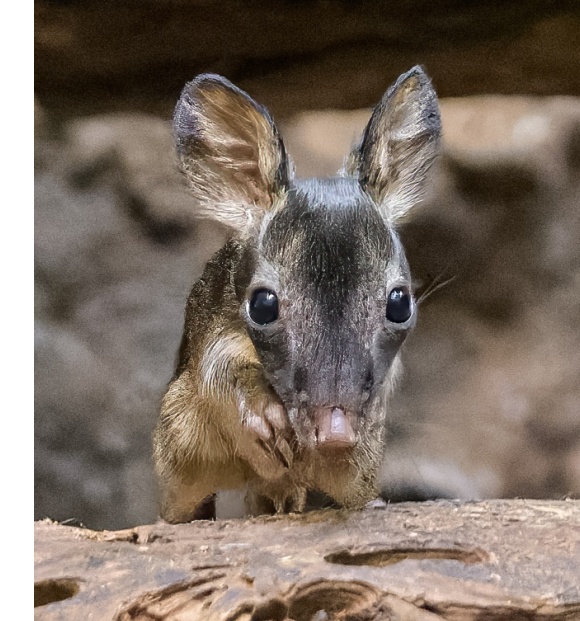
x=490 y=402
x=94 y=56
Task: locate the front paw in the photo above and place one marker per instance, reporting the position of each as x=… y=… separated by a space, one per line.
x=267 y=440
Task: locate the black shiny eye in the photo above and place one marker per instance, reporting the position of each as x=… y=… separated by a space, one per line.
x=399 y=305
x=263 y=307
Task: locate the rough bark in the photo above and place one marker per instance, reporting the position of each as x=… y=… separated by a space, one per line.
x=94 y=56
x=495 y=560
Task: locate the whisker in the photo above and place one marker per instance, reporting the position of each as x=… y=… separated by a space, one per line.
x=431 y=291
x=435 y=285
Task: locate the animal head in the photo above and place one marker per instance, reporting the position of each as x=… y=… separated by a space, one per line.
x=324 y=289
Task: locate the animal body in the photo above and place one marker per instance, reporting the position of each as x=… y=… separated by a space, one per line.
x=292 y=334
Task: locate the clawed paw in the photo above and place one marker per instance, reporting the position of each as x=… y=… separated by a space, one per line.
x=269 y=437
x=266 y=420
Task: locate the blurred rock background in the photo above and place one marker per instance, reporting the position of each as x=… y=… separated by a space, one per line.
x=490 y=402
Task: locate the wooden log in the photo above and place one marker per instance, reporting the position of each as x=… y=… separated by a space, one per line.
x=494 y=561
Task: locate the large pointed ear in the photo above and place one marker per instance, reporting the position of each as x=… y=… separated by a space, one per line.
x=399 y=145
x=231 y=152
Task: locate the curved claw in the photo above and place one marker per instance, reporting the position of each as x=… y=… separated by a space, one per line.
x=268 y=450
x=259 y=426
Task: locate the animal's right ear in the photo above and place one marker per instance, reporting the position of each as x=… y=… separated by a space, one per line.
x=231 y=152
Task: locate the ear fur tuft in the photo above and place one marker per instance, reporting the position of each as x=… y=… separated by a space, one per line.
x=231 y=152
x=399 y=145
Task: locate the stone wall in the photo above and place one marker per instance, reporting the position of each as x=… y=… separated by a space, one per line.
x=490 y=402
x=94 y=56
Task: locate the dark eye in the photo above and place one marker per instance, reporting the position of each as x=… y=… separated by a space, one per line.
x=399 y=305
x=263 y=307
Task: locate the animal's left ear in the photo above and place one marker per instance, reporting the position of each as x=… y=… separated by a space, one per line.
x=399 y=145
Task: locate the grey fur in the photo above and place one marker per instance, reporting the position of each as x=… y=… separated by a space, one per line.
x=399 y=145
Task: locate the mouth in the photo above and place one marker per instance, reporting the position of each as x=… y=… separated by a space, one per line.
x=334 y=428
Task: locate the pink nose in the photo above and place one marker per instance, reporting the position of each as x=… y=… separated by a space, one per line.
x=334 y=429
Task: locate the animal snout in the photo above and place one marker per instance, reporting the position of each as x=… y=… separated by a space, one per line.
x=322 y=383
x=335 y=428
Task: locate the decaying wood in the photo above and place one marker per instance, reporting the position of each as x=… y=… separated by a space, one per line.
x=495 y=560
